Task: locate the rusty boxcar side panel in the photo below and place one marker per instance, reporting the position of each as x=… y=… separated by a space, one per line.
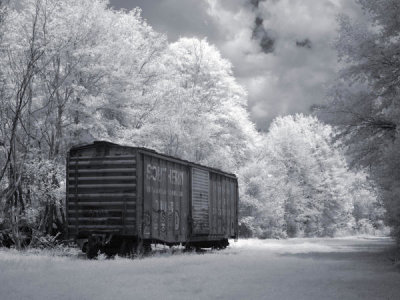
x=165 y=198
x=101 y=195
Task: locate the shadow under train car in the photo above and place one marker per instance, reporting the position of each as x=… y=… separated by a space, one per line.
x=121 y=200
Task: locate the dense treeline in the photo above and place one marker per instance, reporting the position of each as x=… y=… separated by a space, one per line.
x=76 y=71
x=299 y=184
x=364 y=102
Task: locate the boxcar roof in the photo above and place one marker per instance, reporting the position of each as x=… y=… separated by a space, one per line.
x=151 y=152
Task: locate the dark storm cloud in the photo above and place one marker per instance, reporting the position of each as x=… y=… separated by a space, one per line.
x=306 y=43
x=263 y=37
x=255 y=3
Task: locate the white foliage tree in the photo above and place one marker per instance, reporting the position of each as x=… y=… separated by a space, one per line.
x=299 y=183
x=203 y=115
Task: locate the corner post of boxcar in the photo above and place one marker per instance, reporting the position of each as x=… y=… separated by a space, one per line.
x=139 y=195
x=237 y=211
x=190 y=216
x=66 y=197
x=76 y=197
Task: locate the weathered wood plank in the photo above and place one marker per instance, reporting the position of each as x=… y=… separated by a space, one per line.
x=119 y=170
x=103 y=178
x=102 y=162
x=103 y=195
x=98 y=203
x=116 y=157
x=105 y=185
x=102 y=226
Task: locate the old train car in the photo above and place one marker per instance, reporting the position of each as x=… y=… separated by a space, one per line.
x=122 y=199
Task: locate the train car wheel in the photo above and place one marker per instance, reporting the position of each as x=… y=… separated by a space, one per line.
x=127 y=247
x=143 y=247
x=92 y=248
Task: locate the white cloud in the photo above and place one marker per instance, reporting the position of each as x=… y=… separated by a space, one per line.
x=292 y=78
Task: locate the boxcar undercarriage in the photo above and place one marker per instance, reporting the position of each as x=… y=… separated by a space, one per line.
x=132 y=246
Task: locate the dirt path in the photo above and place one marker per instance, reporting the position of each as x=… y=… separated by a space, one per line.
x=349 y=268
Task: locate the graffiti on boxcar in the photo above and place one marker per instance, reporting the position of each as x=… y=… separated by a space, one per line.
x=165 y=217
x=163 y=226
x=176 y=220
x=146 y=219
x=157 y=173
x=155 y=221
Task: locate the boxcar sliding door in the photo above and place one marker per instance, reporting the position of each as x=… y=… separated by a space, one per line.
x=200 y=201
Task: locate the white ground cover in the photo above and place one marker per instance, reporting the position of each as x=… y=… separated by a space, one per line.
x=340 y=268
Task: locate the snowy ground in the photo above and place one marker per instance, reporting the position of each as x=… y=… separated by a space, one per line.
x=346 y=268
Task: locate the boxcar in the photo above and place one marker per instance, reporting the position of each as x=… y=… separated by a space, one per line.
x=122 y=199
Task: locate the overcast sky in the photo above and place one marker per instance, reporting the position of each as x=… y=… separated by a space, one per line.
x=281 y=50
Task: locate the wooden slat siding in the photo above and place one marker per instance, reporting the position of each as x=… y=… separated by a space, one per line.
x=105 y=218
x=232 y=206
x=101 y=226
x=200 y=201
x=223 y=205
x=110 y=214
x=217 y=196
x=221 y=200
x=90 y=205
x=228 y=216
x=105 y=222
x=185 y=202
x=216 y=203
x=104 y=178
x=94 y=230
x=182 y=208
x=170 y=216
x=101 y=163
x=76 y=192
x=177 y=208
x=210 y=216
x=105 y=195
x=236 y=210
x=158 y=184
x=67 y=216
x=212 y=203
x=139 y=198
x=106 y=168
x=225 y=220
x=163 y=197
x=116 y=157
x=106 y=191
x=190 y=232
x=220 y=204
x=106 y=184
x=229 y=206
x=119 y=209
x=101 y=203
x=113 y=170
x=216 y=200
